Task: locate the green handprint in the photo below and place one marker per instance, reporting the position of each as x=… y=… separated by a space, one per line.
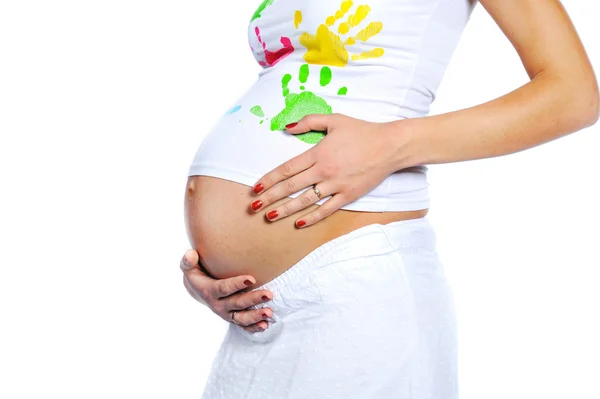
x=305 y=103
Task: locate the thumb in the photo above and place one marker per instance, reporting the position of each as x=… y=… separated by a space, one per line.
x=190 y=260
x=313 y=122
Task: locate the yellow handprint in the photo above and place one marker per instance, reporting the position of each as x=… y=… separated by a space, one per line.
x=327 y=48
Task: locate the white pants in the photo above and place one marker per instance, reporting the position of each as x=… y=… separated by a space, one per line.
x=366 y=315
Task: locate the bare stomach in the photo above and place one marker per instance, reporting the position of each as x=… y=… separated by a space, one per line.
x=232 y=239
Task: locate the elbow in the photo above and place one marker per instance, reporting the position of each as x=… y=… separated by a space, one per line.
x=578 y=99
x=591 y=105
x=585 y=109
x=595 y=112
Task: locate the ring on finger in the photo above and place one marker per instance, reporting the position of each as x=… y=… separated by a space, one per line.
x=317 y=192
x=233 y=318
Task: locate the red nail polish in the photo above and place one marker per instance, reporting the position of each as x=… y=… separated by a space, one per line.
x=247 y=282
x=264 y=315
x=300 y=223
x=265 y=298
x=258 y=188
x=257 y=204
x=291 y=125
x=272 y=214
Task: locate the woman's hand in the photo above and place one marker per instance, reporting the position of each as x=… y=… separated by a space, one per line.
x=220 y=295
x=354 y=157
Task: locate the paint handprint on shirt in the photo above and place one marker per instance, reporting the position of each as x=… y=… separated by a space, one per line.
x=328 y=47
x=273 y=57
x=298 y=105
x=269 y=58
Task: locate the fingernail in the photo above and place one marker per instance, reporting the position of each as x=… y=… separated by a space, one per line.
x=291 y=125
x=300 y=223
x=185 y=261
x=258 y=188
x=257 y=204
x=265 y=298
x=272 y=214
x=247 y=282
x=264 y=315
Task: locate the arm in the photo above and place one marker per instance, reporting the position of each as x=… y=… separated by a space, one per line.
x=561 y=97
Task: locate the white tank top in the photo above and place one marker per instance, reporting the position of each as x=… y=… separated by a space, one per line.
x=377 y=60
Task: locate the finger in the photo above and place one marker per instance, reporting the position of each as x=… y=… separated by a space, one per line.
x=229 y=286
x=263 y=325
x=245 y=300
x=200 y=282
x=328 y=207
x=315 y=122
x=189 y=261
x=190 y=265
x=253 y=316
x=289 y=168
x=303 y=201
x=284 y=189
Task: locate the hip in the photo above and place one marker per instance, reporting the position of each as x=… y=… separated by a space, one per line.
x=368 y=314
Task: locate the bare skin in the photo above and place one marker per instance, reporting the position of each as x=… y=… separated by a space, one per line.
x=561 y=98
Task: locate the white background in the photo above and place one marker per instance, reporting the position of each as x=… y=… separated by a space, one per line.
x=102 y=107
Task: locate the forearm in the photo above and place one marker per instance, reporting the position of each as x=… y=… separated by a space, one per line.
x=544 y=109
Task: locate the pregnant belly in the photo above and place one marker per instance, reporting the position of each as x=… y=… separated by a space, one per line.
x=232 y=239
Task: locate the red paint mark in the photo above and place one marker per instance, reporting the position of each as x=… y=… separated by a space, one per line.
x=273 y=57
x=257 y=32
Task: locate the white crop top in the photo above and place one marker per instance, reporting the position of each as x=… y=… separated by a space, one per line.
x=376 y=60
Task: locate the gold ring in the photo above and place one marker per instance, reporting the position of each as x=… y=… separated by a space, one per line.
x=316 y=190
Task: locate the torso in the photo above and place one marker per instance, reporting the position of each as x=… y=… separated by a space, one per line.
x=231 y=239
x=374 y=60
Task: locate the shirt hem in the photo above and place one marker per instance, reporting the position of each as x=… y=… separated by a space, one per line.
x=363 y=204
